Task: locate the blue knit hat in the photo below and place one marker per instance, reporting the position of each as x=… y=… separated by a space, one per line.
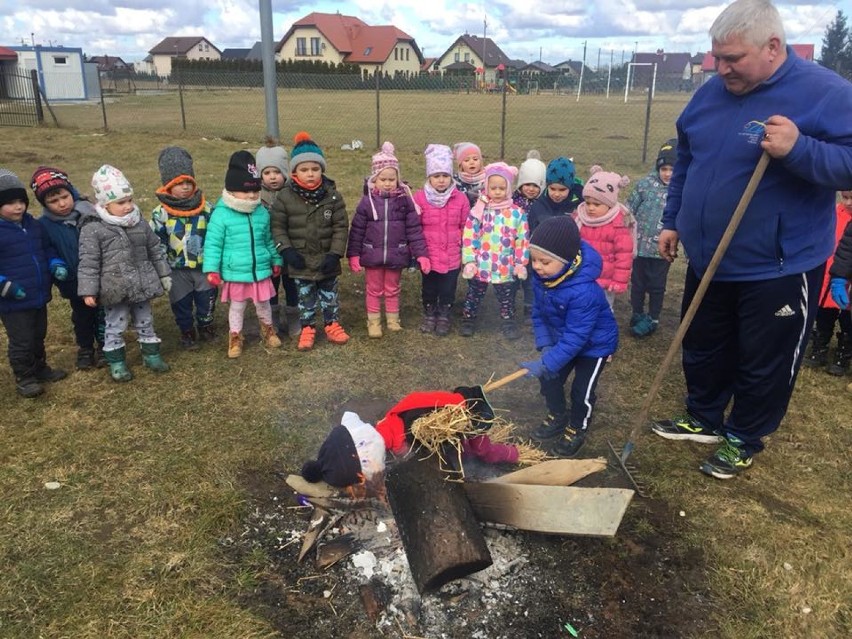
x=305 y=150
x=561 y=171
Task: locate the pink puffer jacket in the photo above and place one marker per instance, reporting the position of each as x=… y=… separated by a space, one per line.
x=442 y=228
x=614 y=242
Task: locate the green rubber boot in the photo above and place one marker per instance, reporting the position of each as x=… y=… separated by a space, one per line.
x=117 y=366
x=151 y=358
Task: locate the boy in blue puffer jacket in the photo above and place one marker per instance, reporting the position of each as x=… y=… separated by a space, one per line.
x=27 y=262
x=574 y=329
x=60 y=219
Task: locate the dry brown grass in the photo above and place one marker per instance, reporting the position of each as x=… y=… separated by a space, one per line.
x=127 y=547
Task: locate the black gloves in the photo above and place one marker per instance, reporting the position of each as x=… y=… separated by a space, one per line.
x=293 y=258
x=330 y=263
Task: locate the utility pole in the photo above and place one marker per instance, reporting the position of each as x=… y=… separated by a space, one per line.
x=484 y=35
x=598 y=68
x=270 y=73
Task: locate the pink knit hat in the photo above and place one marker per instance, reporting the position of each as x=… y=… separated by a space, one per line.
x=505 y=171
x=385 y=159
x=604 y=186
x=464 y=149
x=439 y=159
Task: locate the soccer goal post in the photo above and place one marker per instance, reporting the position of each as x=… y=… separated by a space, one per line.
x=631 y=74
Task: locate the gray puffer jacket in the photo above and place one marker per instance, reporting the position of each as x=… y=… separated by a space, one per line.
x=117 y=264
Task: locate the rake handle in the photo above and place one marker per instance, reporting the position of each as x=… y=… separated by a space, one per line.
x=707 y=278
x=490 y=386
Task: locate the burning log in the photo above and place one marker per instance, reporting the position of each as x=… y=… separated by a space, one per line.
x=439 y=530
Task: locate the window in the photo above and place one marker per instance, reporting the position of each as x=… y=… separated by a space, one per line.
x=368 y=50
x=60 y=60
x=395 y=53
x=301 y=46
x=206 y=47
x=466 y=57
x=315 y=46
x=406 y=55
x=457 y=57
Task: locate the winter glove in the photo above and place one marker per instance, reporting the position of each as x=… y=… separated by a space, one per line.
x=293 y=258
x=355 y=264
x=536 y=368
x=838 y=292
x=166 y=281
x=520 y=271
x=11 y=290
x=214 y=278
x=329 y=263
x=485 y=450
x=469 y=270
x=276 y=270
x=425 y=265
x=59 y=272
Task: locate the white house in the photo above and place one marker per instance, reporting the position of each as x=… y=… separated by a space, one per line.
x=190 y=48
x=61 y=73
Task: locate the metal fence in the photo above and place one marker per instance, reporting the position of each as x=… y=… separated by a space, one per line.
x=546 y=113
x=20 y=102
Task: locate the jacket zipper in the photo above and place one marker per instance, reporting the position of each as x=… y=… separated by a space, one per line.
x=35 y=262
x=253 y=256
x=385 y=243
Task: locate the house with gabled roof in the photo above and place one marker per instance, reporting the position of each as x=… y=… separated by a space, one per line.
x=185 y=47
x=674 y=70
x=109 y=63
x=572 y=68
x=469 y=53
x=336 y=38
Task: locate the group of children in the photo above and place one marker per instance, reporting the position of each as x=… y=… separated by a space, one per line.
x=568 y=246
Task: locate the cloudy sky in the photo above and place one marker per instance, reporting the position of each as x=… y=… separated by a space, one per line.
x=553 y=29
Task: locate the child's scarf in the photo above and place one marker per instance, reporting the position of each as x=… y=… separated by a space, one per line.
x=570 y=269
x=125 y=221
x=181 y=207
x=401 y=189
x=438 y=198
x=238 y=205
x=311 y=195
x=484 y=202
x=475 y=179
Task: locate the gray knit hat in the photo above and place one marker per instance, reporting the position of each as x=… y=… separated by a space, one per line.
x=272 y=156
x=174 y=162
x=11 y=188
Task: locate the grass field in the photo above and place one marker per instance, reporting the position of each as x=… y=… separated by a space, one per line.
x=153 y=472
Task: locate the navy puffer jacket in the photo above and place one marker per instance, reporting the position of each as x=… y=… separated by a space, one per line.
x=573 y=318
x=25 y=257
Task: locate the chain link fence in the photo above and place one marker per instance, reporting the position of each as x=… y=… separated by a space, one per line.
x=555 y=115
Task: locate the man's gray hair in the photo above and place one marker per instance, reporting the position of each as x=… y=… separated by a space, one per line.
x=755 y=21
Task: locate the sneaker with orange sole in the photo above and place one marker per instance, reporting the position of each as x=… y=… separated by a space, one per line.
x=335 y=334
x=307 y=338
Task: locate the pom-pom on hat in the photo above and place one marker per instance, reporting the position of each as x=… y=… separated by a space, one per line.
x=47 y=179
x=532 y=170
x=439 y=159
x=352 y=452
x=272 y=154
x=384 y=159
x=667 y=154
x=110 y=185
x=175 y=162
x=559 y=237
x=505 y=171
x=561 y=171
x=242 y=174
x=464 y=149
x=305 y=150
x=604 y=186
x=11 y=188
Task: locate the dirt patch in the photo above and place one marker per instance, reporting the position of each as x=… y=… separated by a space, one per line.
x=646 y=582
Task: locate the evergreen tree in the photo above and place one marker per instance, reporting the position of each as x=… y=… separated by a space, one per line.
x=836 y=51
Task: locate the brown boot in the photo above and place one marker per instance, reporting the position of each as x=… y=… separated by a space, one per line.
x=374 y=325
x=393 y=321
x=235 y=345
x=269 y=336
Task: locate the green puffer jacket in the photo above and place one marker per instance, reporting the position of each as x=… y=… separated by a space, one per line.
x=239 y=246
x=312 y=229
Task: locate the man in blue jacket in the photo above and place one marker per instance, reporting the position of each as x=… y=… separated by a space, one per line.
x=746 y=342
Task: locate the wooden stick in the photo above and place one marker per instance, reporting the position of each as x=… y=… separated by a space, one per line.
x=490 y=386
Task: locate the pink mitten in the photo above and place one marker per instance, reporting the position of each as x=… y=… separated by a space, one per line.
x=214 y=278
x=469 y=270
x=355 y=264
x=520 y=271
x=485 y=450
x=425 y=265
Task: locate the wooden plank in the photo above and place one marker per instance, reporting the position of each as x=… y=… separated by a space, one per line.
x=553 y=472
x=306 y=488
x=563 y=510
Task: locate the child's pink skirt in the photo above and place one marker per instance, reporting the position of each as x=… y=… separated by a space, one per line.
x=261 y=291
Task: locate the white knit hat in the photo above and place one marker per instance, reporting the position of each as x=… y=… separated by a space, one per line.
x=110 y=185
x=532 y=170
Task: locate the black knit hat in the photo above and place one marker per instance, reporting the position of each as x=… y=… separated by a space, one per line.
x=242 y=175
x=337 y=462
x=11 y=188
x=173 y=163
x=559 y=237
x=667 y=154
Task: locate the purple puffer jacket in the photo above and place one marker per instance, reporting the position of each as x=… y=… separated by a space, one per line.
x=387 y=233
x=442 y=228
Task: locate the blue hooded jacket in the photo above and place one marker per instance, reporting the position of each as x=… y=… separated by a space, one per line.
x=573 y=318
x=25 y=259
